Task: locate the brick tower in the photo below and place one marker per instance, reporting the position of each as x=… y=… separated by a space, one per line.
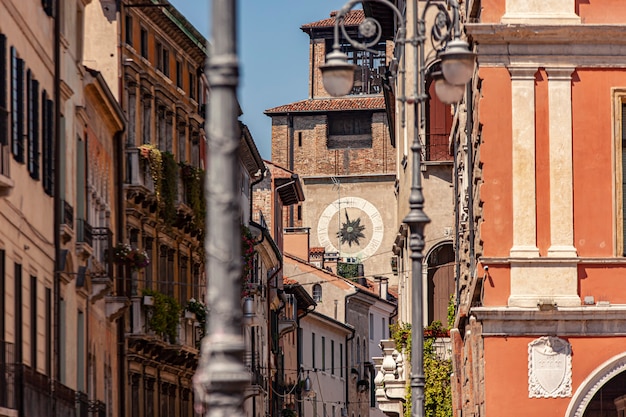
x=343 y=152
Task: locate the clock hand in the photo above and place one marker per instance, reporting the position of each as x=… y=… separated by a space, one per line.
x=347 y=218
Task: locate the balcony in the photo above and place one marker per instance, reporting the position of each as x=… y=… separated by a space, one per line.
x=288 y=319
x=84 y=238
x=144 y=340
x=139 y=184
x=391 y=379
x=67 y=221
x=258 y=381
x=438 y=147
x=102 y=263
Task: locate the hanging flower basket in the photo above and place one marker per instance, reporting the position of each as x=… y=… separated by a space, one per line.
x=247 y=258
x=126 y=255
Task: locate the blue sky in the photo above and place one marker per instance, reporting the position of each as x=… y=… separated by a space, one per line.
x=273 y=54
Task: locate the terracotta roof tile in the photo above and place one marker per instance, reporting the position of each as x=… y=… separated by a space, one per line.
x=352 y=18
x=289 y=281
x=317 y=249
x=331 y=104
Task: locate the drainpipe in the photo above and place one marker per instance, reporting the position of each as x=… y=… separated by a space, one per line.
x=57 y=203
x=119 y=219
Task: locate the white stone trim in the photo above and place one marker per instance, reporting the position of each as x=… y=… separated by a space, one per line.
x=538 y=282
x=557 y=12
x=592 y=384
x=561 y=178
x=523 y=161
x=588 y=321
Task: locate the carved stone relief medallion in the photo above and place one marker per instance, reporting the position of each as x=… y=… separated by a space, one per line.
x=549 y=368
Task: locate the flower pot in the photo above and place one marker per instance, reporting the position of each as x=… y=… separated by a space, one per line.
x=190 y=315
x=148 y=300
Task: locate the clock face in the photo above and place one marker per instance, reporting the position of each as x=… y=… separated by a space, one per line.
x=351 y=226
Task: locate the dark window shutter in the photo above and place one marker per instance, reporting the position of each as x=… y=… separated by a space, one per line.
x=48 y=7
x=18 y=112
x=4 y=113
x=34 y=139
x=47 y=125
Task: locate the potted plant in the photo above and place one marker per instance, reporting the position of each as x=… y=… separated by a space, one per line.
x=164 y=315
x=127 y=255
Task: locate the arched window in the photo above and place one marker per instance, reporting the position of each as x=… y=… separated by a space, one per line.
x=317 y=293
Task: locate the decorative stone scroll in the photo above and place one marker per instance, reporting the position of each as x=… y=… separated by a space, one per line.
x=549 y=368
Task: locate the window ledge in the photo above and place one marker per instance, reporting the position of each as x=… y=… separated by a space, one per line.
x=6 y=186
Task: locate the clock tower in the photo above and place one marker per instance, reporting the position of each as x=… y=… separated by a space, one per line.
x=344 y=153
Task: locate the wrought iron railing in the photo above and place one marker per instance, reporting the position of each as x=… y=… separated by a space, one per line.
x=84 y=232
x=438 y=147
x=82 y=404
x=102 y=239
x=68 y=215
x=7 y=375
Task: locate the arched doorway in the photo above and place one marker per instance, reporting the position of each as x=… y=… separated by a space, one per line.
x=441 y=286
x=596 y=395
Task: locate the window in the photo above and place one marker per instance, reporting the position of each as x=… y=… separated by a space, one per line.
x=371 y=326
x=48 y=337
x=162 y=59
x=317 y=293
x=165 y=62
x=33 y=322
x=47 y=136
x=143 y=42
x=129 y=30
x=192 y=84
x=341 y=360
x=313 y=350
x=300 y=139
x=18 y=304
x=332 y=357
x=323 y=353
x=383 y=333
x=299 y=212
x=357 y=348
x=438 y=126
x=179 y=74
x=80 y=351
x=349 y=130
x=4 y=113
x=17 y=106
x=33 y=126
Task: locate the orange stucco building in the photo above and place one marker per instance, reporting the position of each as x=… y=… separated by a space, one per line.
x=541 y=322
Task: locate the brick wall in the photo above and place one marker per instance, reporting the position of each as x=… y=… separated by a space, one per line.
x=310 y=153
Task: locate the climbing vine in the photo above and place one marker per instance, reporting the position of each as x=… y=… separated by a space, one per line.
x=169 y=187
x=437 y=370
x=165 y=314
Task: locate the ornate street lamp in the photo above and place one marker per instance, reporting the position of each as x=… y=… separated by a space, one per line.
x=451 y=70
x=221 y=377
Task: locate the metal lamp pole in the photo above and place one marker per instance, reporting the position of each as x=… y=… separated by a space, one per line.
x=221 y=377
x=452 y=69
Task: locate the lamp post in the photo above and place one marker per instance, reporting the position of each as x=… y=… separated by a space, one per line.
x=451 y=69
x=221 y=377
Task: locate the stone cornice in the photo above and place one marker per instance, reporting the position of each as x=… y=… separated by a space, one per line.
x=575 y=45
x=562 y=321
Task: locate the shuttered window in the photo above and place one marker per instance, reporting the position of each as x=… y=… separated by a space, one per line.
x=33 y=126
x=4 y=113
x=17 y=106
x=47 y=136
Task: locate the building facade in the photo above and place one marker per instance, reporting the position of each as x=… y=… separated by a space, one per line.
x=541 y=306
